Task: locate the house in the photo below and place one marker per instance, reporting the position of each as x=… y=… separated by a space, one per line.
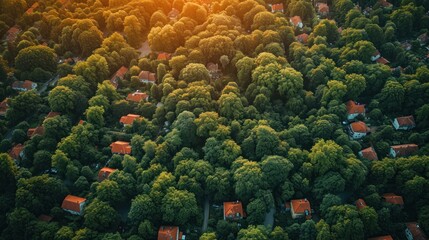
x=4 y=105
x=385 y=4
x=52 y=114
x=300 y=208
x=104 y=173
x=17 y=151
x=73 y=204
x=137 y=96
x=387 y=237
x=375 y=55
x=170 y=233
x=393 y=199
x=414 y=232
x=32 y=8
x=214 y=71
x=12 y=33
x=24 y=86
x=39 y=130
x=404 y=123
x=423 y=39
x=163 y=56
x=382 y=60
x=322 y=9
x=354 y=109
x=358 y=130
x=277 y=8
x=368 y=153
x=173 y=14
x=406 y=45
x=120 y=147
x=147 y=77
x=129 y=119
x=403 y=150
x=233 y=211
x=296 y=21
x=360 y=204
x=119 y=75
x=302 y=38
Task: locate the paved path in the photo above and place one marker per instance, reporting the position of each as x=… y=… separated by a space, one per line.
x=206 y=214
x=269 y=218
x=52 y=81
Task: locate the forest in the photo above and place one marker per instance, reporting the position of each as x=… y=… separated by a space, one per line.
x=214 y=119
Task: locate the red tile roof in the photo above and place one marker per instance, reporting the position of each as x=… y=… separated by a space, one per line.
x=147 y=76
x=233 y=210
x=121 y=147
x=406 y=121
x=45 y=218
x=4 y=105
x=416 y=231
x=323 y=8
x=393 y=198
x=104 y=173
x=136 y=96
x=382 y=60
x=277 y=7
x=164 y=56
x=39 y=130
x=296 y=20
x=12 y=33
x=303 y=38
x=387 y=237
x=353 y=108
x=169 y=233
x=405 y=149
x=118 y=74
x=360 y=203
x=27 y=84
x=32 y=8
x=52 y=114
x=16 y=151
x=129 y=119
x=72 y=203
x=300 y=206
x=359 y=127
x=369 y=153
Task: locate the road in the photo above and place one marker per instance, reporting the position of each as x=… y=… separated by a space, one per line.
x=269 y=218
x=206 y=214
x=52 y=81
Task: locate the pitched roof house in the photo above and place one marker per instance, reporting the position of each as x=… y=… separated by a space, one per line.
x=376 y=55
x=120 y=147
x=4 y=105
x=302 y=38
x=137 y=96
x=39 y=130
x=32 y=8
x=382 y=60
x=393 y=199
x=296 y=21
x=403 y=150
x=414 y=232
x=358 y=130
x=387 y=237
x=404 y=123
x=354 y=109
x=73 y=204
x=233 y=210
x=119 y=75
x=323 y=9
x=163 y=56
x=360 y=204
x=24 y=86
x=104 y=173
x=385 y=4
x=147 y=77
x=277 y=8
x=12 y=33
x=368 y=153
x=129 y=119
x=300 y=208
x=170 y=233
x=52 y=114
x=17 y=151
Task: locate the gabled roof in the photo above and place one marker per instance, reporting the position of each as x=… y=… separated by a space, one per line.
x=385 y=3
x=52 y=114
x=27 y=84
x=359 y=127
x=118 y=74
x=212 y=67
x=393 y=198
x=360 y=203
x=295 y=20
x=121 y=147
x=369 y=153
x=148 y=76
x=39 y=130
x=405 y=149
x=303 y=38
x=169 y=233
x=32 y=8
x=382 y=60
x=72 y=203
x=323 y=8
x=4 y=105
x=353 y=108
x=164 y=56
x=277 y=7
x=233 y=210
x=406 y=121
x=376 y=53
x=387 y=237
x=300 y=205
x=136 y=96
x=104 y=173
x=416 y=231
x=129 y=119
x=12 y=33
x=16 y=151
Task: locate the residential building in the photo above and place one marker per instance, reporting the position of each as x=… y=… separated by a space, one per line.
x=376 y=55
x=385 y=4
x=17 y=151
x=119 y=75
x=360 y=204
x=214 y=71
x=39 y=130
x=137 y=96
x=414 y=232
x=104 y=173
x=4 y=105
x=403 y=150
x=233 y=210
x=368 y=153
x=302 y=38
x=24 y=86
x=300 y=208
x=147 y=77
x=277 y=8
x=73 y=204
x=358 y=130
x=354 y=109
x=164 y=56
x=12 y=33
x=404 y=123
x=387 y=237
x=170 y=233
x=129 y=119
x=322 y=9
x=120 y=147
x=382 y=60
x=393 y=199
x=296 y=21
x=32 y=8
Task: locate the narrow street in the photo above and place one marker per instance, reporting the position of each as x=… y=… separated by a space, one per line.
x=269 y=218
x=206 y=213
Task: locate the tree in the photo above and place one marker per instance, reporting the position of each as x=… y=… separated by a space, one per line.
x=20 y=222
x=403 y=20
x=95 y=70
x=308 y=230
x=392 y=96
x=133 y=31
x=423 y=116
x=356 y=84
x=326 y=156
x=253 y=233
x=23 y=106
x=248 y=180
x=8 y=172
x=62 y=99
x=275 y=170
x=194 y=72
x=256 y=211
x=230 y=106
x=109 y=191
x=94 y=115
x=36 y=57
x=178 y=206
x=216 y=46
x=100 y=216
x=142 y=207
